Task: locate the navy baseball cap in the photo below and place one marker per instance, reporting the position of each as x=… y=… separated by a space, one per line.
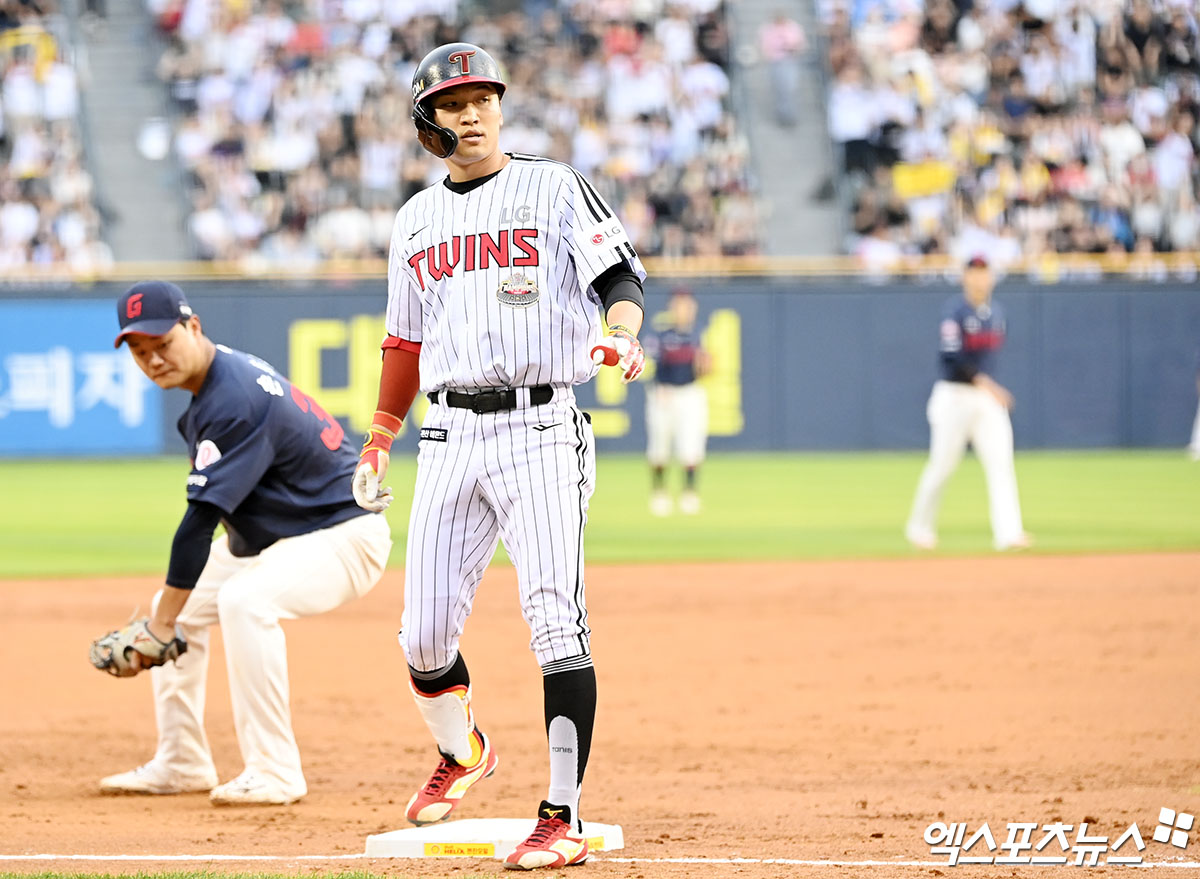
x=150 y=308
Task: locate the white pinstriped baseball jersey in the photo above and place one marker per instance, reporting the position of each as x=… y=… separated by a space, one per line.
x=493 y=282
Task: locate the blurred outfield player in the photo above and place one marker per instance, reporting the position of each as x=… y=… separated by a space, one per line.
x=969 y=406
x=676 y=403
x=1194 y=445
x=271 y=466
x=497 y=279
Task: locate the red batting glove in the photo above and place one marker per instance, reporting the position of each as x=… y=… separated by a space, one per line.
x=373 y=463
x=621 y=348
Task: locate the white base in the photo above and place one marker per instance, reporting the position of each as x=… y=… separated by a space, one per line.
x=477 y=838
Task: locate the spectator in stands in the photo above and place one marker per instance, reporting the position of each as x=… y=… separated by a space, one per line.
x=1062 y=125
x=782 y=43
x=308 y=109
x=48 y=222
x=851 y=121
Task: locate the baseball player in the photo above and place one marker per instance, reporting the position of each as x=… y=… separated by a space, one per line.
x=1194 y=444
x=270 y=465
x=968 y=405
x=497 y=279
x=676 y=404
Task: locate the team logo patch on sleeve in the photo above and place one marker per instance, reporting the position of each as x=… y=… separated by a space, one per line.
x=951 y=336
x=605 y=235
x=518 y=291
x=207 y=454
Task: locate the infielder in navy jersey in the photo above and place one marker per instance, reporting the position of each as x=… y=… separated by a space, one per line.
x=676 y=404
x=273 y=468
x=498 y=278
x=968 y=405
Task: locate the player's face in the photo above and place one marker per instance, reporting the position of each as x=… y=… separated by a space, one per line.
x=177 y=359
x=977 y=284
x=472 y=112
x=683 y=311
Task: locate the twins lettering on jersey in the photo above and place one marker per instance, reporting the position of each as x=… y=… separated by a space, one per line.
x=476 y=252
x=494 y=280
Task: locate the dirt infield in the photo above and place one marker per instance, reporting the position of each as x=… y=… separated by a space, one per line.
x=812 y=711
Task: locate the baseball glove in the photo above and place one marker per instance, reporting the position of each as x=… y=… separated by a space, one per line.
x=113 y=652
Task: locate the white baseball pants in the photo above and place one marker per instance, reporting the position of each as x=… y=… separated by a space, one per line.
x=295 y=577
x=676 y=421
x=525 y=476
x=1194 y=444
x=960 y=413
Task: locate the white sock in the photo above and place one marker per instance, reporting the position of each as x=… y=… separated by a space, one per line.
x=564 y=766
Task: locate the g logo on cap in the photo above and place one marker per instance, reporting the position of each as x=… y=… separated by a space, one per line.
x=133 y=308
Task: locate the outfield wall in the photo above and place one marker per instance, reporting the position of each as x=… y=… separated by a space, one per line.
x=798 y=365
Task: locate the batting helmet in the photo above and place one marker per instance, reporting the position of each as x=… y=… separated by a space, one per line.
x=445 y=67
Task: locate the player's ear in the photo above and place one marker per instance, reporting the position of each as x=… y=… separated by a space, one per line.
x=426 y=139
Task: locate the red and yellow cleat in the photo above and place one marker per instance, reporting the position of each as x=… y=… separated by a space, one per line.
x=553 y=843
x=445 y=788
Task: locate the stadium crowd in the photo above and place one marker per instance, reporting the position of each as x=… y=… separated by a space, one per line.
x=293 y=121
x=48 y=216
x=1017 y=127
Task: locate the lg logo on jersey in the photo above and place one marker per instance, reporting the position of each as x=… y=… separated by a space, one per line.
x=598 y=234
x=522 y=214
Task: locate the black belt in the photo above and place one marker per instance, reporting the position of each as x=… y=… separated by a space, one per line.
x=499 y=400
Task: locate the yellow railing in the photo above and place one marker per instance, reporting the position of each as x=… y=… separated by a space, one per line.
x=1047 y=268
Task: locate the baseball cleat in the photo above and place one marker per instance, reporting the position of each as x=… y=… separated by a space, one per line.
x=154 y=778
x=920 y=538
x=553 y=843
x=1022 y=541
x=660 y=503
x=251 y=789
x=689 y=503
x=445 y=788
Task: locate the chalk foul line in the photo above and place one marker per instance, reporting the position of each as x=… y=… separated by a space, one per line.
x=699 y=861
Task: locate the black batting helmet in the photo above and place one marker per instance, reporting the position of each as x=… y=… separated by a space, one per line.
x=445 y=67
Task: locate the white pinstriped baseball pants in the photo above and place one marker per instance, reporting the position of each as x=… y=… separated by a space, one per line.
x=525 y=476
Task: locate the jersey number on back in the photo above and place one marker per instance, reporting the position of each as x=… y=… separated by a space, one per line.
x=333 y=434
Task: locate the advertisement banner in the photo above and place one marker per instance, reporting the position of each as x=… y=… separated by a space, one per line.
x=64 y=388
x=794 y=365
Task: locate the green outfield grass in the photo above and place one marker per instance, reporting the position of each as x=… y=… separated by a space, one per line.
x=116 y=517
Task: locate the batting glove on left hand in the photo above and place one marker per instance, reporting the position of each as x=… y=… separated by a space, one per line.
x=621 y=348
x=373 y=464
